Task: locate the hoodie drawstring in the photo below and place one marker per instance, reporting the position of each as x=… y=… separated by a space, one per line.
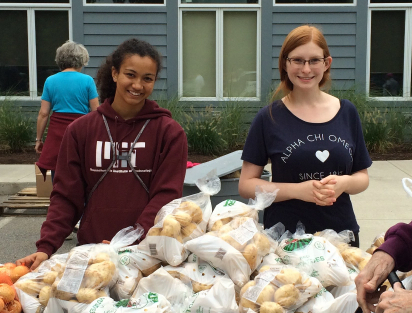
x=116 y=157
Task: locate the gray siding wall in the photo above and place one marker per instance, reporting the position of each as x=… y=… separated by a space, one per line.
x=338 y=24
x=102 y=28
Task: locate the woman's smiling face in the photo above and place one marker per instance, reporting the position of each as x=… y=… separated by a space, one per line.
x=135 y=80
x=307 y=76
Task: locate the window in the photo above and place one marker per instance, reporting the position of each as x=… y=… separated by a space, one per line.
x=125 y=1
x=390 y=53
x=313 y=1
x=25 y=64
x=219 y=54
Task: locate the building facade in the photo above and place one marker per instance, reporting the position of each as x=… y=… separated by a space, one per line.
x=213 y=50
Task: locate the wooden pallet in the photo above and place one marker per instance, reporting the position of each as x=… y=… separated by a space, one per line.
x=25 y=199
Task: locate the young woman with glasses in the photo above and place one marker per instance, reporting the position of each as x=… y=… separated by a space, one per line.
x=313 y=140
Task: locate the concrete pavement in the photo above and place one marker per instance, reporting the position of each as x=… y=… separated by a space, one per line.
x=15 y=177
x=382 y=205
x=385 y=202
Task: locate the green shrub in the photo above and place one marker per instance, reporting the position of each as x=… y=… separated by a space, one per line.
x=210 y=131
x=358 y=98
x=400 y=126
x=174 y=107
x=16 y=130
x=202 y=131
x=382 y=128
x=376 y=131
x=232 y=125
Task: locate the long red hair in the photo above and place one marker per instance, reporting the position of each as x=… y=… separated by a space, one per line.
x=298 y=37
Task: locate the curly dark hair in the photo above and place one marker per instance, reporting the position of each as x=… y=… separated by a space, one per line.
x=104 y=79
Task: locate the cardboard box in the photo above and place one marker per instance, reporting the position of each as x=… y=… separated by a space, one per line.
x=44 y=188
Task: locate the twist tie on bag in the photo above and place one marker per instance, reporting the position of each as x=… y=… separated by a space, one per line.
x=263 y=198
x=210 y=184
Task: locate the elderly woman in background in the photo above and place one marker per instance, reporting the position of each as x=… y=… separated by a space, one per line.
x=70 y=95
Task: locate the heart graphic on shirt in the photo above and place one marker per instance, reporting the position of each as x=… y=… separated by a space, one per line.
x=322 y=155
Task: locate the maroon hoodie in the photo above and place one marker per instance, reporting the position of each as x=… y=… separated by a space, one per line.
x=398 y=244
x=120 y=200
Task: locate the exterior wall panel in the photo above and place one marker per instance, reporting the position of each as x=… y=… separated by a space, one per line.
x=104 y=31
x=102 y=28
x=339 y=27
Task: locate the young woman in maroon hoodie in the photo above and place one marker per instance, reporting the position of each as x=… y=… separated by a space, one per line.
x=118 y=165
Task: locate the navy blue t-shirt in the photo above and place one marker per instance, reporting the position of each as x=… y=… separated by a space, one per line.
x=301 y=151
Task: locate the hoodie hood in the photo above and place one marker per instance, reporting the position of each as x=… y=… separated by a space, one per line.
x=150 y=110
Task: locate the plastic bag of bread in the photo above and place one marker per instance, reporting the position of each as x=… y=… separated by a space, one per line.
x=316 y=256
x=379 y=239
x=237 y=248
x=201 y=274
x=272 y=259
x=343 y=237
x=219 y=298
x=146 y=303
x=133 y=256
x=226 y=210
x=407 y=282
x=176 y=291
x=92 y=269
x=128 y=261
x=179 y=221
x=341 y=290
x=324 y=302
x=34 y=288
x=56 y=305
x=354 y=257
x=88 y=275
x=282 y=286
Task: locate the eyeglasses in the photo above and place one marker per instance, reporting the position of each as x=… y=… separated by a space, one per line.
x=301 y=62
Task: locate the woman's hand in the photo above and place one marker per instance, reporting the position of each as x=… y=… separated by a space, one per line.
x=39 y=146
x=32 y=261
x=369 y=279
x=398 y=301
x=329 y=189
x=42 y=119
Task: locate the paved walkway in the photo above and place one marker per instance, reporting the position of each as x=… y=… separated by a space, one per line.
x=385 y=202
x=382 y=205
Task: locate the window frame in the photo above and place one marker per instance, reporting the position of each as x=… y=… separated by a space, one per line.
x=31 y=44
x=220 y=5
x=407 y=53
x=389 y=5
x=13 y=6
x=123 y=5
x=354 y=4
x=219 y=10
